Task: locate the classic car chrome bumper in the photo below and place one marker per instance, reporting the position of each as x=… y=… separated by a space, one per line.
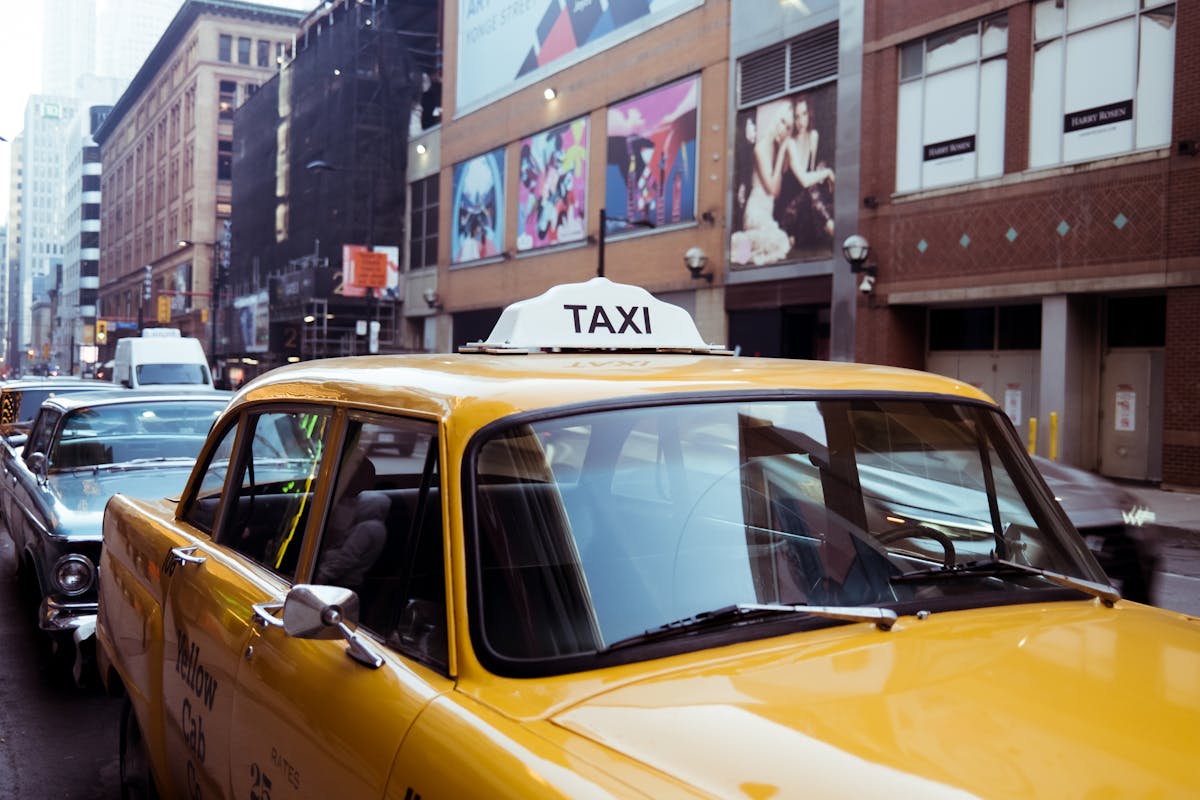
x=54 y=617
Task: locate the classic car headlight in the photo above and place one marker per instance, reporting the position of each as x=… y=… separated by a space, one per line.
x=73 y=574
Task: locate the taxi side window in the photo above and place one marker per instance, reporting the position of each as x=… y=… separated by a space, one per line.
x=382 y=536
x=203 y=511
x=271 y=494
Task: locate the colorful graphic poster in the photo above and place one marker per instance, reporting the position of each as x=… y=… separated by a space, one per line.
x=346 y=285
x=651 y=162
x=478 y=208
x=505 y=45
x=783 y=180
x=552 y=196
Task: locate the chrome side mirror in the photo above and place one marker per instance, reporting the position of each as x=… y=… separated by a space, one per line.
x=37 y=465
x=312 y=611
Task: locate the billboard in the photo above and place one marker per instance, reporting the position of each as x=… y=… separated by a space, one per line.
x=650 y=174
x=478 y=211
x=552 y=195
x=783 y=179
x=352 y=284
x=249 y=323
x=505 y=45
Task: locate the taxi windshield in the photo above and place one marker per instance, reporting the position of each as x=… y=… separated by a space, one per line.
x=598 y=527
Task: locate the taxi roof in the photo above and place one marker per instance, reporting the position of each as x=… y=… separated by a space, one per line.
x=577 y=343
x=439 y=384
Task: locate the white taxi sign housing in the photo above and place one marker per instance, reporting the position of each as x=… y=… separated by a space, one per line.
x=594 y=315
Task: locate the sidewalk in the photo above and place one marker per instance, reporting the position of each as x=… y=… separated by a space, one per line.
x=1177 y=512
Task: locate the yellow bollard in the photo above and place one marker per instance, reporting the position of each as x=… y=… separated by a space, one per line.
x=1032 y=435
x=1053 y=443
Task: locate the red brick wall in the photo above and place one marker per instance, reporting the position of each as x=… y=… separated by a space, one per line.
x=1181 y=406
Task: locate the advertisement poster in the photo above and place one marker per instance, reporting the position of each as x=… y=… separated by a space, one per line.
x=478 y=208
x=505 y=45
x=346 y=286
x=784 y=179
x=250 y=323
x=552 y=196
x=651 y=161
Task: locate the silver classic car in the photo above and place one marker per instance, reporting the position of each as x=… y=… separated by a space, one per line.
x=81 y=449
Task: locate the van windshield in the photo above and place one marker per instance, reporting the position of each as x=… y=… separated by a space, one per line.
x=151 y=374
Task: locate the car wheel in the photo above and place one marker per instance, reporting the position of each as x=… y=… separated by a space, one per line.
x=136 y=781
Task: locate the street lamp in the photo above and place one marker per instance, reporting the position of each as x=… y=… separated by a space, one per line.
x=215 y=299
x=604 y=218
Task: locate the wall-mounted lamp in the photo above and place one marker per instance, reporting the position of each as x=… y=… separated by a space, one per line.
x=337 y=72
x=695 y=259
x=856 y=249
x=431 y=298
x=422 y=149
x=549 y=93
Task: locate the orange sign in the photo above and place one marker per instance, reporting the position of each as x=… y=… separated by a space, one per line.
x=370 y=270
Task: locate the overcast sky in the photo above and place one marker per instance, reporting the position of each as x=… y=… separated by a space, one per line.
x=21 y=73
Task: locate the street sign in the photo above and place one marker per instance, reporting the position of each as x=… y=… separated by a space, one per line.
x=370 y=270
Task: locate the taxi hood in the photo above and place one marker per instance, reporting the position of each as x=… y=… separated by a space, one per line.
x=1066 y=699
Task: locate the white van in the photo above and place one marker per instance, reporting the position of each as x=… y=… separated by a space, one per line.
x=161 y=357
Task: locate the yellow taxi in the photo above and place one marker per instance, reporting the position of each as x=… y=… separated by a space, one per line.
x=596 y=556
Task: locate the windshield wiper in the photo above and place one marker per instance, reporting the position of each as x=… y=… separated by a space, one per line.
x=998 y=566
x=884 y=619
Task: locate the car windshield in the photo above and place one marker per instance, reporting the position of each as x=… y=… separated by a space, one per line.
x=151 y=374
x=601 y=526
x=124 y=432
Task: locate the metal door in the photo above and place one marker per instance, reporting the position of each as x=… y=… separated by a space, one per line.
x=1130 y=414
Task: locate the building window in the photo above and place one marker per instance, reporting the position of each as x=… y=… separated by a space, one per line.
x=423 y=219
x=224 y=160
x=1103 y=79
x=986 y=328
x=950 y=110
x=264 y=53
x=243 y=50
x=227 y=98
x=225 y=47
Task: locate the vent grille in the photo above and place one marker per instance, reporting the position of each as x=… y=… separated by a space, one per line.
x=814 y=57
x=784 y=68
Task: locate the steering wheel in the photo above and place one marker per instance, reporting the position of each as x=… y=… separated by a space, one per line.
x=914 y=530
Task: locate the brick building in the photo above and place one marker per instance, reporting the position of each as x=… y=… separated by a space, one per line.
x=1029 y=186
x=167 y=152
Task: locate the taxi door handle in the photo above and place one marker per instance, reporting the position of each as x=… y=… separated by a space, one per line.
x=186 y=555
x=264 y=613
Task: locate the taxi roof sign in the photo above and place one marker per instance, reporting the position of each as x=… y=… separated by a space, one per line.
x=594 y=315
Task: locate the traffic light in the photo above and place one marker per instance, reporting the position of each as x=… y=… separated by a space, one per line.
x=101 y=331
x=164 y=308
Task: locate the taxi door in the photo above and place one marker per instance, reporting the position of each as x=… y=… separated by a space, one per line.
x=257 y=518
x=309 y=720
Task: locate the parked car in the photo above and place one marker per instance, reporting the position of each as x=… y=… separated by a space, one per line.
x=21 y=398
x=620 y=561
x=83 y=448
x=1117 y=526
